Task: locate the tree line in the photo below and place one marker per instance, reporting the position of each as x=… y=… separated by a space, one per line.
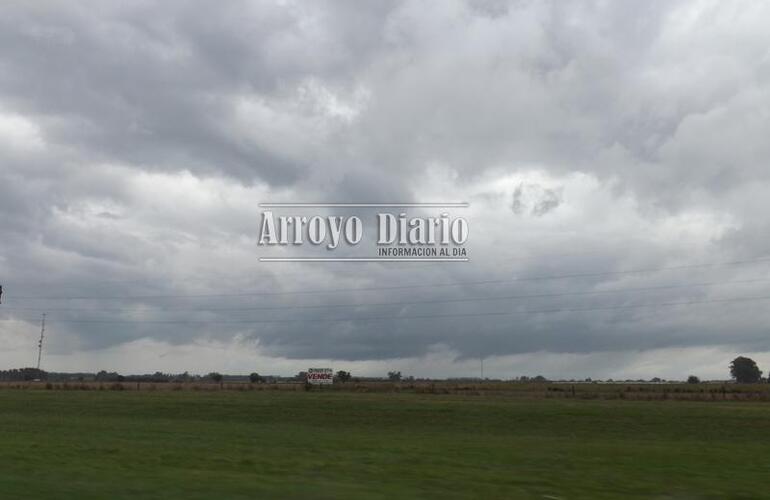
x=743 y=370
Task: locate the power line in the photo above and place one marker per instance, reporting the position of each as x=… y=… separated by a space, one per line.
x=422 y=316
x=306 y=270
x=401 y=287
x=399 y=303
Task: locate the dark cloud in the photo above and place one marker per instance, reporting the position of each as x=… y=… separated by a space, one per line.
x=534 y=199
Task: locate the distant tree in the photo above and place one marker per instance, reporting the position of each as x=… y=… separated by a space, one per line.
x=302 y=376
x=394 y=376
x=105 y=376
x=343 y=376
x=215 y=376
x=17 y=374
x=539 y=378
x=160 y=377
x=692 y=379
x=255 y=378
x=745 y=370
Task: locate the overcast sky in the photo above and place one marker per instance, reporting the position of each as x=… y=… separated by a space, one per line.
x=615 y=156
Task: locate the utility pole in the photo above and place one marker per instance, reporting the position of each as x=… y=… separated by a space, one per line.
x=40 y=342
x=482 y=368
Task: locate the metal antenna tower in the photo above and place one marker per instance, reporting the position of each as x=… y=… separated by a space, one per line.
x=40 y=342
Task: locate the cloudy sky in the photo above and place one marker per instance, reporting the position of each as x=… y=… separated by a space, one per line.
x=614 y=155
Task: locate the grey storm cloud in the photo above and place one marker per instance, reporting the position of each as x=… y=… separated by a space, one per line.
x=543 y=199
x=137 y=139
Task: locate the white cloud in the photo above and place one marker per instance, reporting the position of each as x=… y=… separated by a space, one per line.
x=19 y=133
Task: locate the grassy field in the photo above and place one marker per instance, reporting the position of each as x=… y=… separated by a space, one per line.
x=712 y=391
x=280 y=444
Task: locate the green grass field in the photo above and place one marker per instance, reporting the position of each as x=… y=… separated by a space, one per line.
x=187 y=444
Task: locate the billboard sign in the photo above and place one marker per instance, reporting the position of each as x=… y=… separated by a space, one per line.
x=320 y=376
